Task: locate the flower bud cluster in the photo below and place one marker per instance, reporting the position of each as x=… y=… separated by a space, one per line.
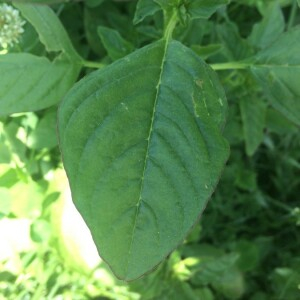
x=11 y=26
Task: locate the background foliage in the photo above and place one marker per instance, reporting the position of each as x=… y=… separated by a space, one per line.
x=246 y=245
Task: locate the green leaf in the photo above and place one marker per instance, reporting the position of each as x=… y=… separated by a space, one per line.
x=5 y=152
x=5 y=201
x=253 y=111
x=142 y=147
x=269 y=29
x=211 y=269
x=246 y=180
x=234 y=46
x=47 y=2
x=115 y=45
x=44 y=135
x=277 y=69
x=40 y=231
x=169 y=5
x=93 y=3
x=27 y=199
x=203 y=8
x=206 y=51
x=144 y=9
x=51 y=32
x=249 y=255
x=8 y=178
x=31 y=83
x=276 y=122
x=298 y=2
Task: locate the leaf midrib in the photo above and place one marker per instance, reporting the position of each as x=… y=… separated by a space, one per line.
x=147 y=151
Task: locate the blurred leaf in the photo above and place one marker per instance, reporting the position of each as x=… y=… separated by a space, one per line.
x=40 y=231
x=206 y=51
x=5 y=154
x=144 y=9
x=5 y=201
x=93 y=3
x=234 y=46
x=204 y=294
x=246 y=180
x=213 y=269
x=249 y=255
x=253 y=110
x=286 y=283
x=203 y=8
x=16 y=146
x=27 y=199
x=231 y=285
x=46 y=2
x=35 y=76
x=269 y=29
x=9 y=178
x=50 y=199
x=277 y=69
x=114 y=44
x=276 y=122
x=51 y=32
x=40 y=83
x=44 y=135
x=194 y=234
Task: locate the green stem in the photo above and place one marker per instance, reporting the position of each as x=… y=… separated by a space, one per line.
x=230 y=66
x=171 y=24
x=92 y=64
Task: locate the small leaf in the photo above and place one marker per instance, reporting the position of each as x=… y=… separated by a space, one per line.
x=277 y=69
x=47 y=2
x=5 y=202
x=115 y=45
x=142 y=147
x=44 y=135
x=144 y=9
x=203 y=9
x=30 y=83
x=93 y=3
x=253 y=111
x=40 y=231
x=234 y=46
x=269 y=29
x=206 y=51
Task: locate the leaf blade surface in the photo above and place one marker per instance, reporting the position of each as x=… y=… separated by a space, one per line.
x=142 y=146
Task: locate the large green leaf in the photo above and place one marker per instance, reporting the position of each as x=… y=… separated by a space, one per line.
x=142 y=147
x=31 y=83
x=277 y=69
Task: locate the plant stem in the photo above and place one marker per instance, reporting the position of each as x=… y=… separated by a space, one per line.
x=92 y=64
x=230 y=65
x=170 y=25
